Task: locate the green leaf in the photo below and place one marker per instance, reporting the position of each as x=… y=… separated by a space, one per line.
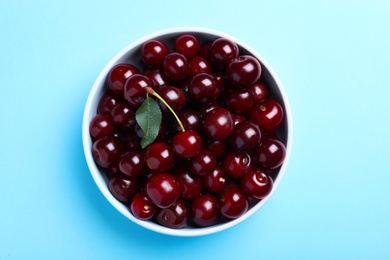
x=148 y=117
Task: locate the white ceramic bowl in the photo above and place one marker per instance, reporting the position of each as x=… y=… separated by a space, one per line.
x=131 y=54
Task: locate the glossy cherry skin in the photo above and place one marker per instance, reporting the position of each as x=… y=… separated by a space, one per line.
x=175 y=98
x=187 y=144
x=257 y=183
x=268 y=115
x=237 y=163
x=175 y=66
x=218 y=124
x=108 y=101
x=159 y=157
x=245 y=136
x=157 y=76
x=131 y=164
x=187 y=44
x=238 y=101
x=222 y=51
x=139 y=133
x=123 y=188
x=215 y=181
x=142 y=207
x=238 y=119
x=163 y=189
x=101 y=126
x=204 y=211
x=123 y=115
x=203 y=163
x=176 y=216
x=217 y=147
x=270 y=154
x=198 y=65
x=204 y=88
x=135 y=91
x=204 y=109
x=220 y=78
x=244 y=71
x=118 y=76
x=232 y=202
x=190 y=184
x=259 y=91
x=106 y=151
x=190 y=119
x=153 y=52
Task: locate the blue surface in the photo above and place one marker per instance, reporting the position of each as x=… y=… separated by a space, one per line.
x=333 y=58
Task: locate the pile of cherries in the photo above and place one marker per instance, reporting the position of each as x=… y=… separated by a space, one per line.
x=208 y=173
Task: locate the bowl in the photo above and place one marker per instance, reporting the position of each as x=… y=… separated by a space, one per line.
x=130 y=54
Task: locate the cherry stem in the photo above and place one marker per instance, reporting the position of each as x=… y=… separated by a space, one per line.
x=152 y=92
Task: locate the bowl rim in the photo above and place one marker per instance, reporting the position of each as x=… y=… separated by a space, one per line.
x=96 y=175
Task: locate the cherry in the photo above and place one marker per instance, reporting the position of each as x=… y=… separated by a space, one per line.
x=232 y=202
x=106 y=151
x=204 y=88
x=260 y=91
x=218 y=124
x=216 y=147
x=153 y=52
x=203 y=163
x=215 y=181
x=187 y=44
x=257 y=183
x=243 y=71
x=176 y=216
x=245 y=136
x=204 y=109
x=220 y=78
x=123 y=115
x=268 y=115
x=157 y=76
x=159 y=157
x=163 y=189
x=108 y=101
x=198 y=65
x=101 y=126
x=238 y=101
x=238 y=119
x=222 y=51
x=123 y=188
x=187 y=144
x=142 y=207
x=190 y=120
x=118 y=76
x=237 y=163
x=204 y=211
x=160 y=136
x=270 y=154
x=175 y=66
x=175 y=98
x=190 y=184
x=135 y=92
x=204 y=49
x=132 y=164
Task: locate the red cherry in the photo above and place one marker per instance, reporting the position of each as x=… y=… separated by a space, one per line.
x=118 y=76
x=153 y=52
x=108 y=101
x=245 y=136
x=175 y=98
x=157 y=76
x=203 y=163
x=187 y=44
x=123 y=115
x=259 y=91
x=222 y=51
x=232 y=202
x=176 y=216
x=135 y=89
x=159 y=157
x=163 y=189
x=132 y=164
x=268 y=115
x=190 y=184
x=218 y=124
x=215 y=181
x=198 y=65
x=187 y=144
x=204 y=88
x=238 y=119
x=175 y=66
x=106 y=151
x=244 y=71
x=257 y=183
x=217 y=147
x=237 y=163
x=142 y=207
x=123 y=188
x=101 y=126
x=204 y=210
x=270 y=154
x=238 y=101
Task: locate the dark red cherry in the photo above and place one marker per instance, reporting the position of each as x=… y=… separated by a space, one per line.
x=204 y=109
x=176 y=216
x=190 y=184
x=215 y=181
x=237 y=163
x=218 y=124
x=198 y=65
x=175 y=66
x=118 y=76
x=220 y=78
x=157 y=76
x=163 y=189
x=106 y=151
x=245 y=136
x=160 y=136
x=108 y=101
x=257 y=183
x=159 y=157
x=204 y=210
x=131 y=142
x=132 y=164
x=190 y=119
x=112 y=171
x=187 y=44
x=123 y=115
x=123 y=188
x=259 y=91
x=101 y=126
x=175 y=98
x=204 y=88
x=244 y=71
x=238 y=101
x=187 y=144
x=232 y=202
x=270 y=154
x=135 y=92
x=238 y=119
x=217 y=147
x=203 y=163
x=222 y=51
x=268 y=115
x=204 y=49
x=153 y=52
x=142 y=207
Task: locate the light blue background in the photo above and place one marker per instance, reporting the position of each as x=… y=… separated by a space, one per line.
x=333 y=58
